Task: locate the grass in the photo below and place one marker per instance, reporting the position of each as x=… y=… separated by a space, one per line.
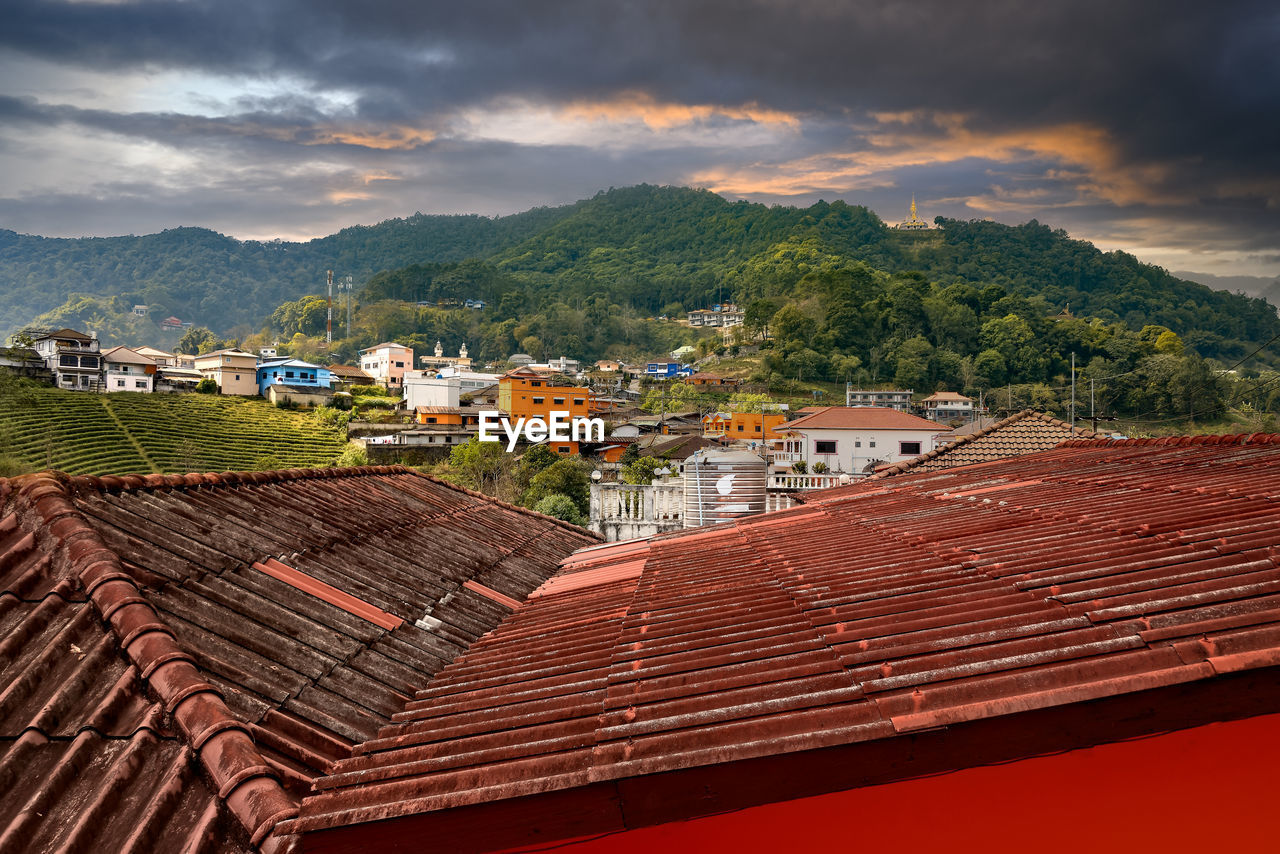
x=125 y=432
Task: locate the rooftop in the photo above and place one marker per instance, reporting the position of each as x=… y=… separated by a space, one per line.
x=861 y=418
x=1021 y=433
x=181 y=655
x=1097 y=592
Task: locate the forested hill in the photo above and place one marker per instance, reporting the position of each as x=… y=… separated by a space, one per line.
x=651 y=248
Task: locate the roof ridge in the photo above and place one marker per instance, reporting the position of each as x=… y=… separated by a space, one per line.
x=1154 y=441
x=244 y=780
x=906 y=465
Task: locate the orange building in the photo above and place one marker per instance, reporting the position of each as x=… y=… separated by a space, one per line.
x=446 y=415
x=754 y=425
x=716 y=424
x=525 y=393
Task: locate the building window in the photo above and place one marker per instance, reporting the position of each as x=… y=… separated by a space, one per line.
x=740 y=428
x=872 y=443
x=563 y=449
x=824 y=446
x=67 y=361
x=857 y=443
x=557 y=401
x=536 y=384
x=538 y=400
x=119 y=383
x=237 y=377
x=431 y=419
x=909 y=448
x=399 y=364
x=579 y=401
x=287 y=375
x=139 y=383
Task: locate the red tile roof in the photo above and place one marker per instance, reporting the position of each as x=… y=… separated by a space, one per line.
x=1025 y=432
x=180 y=655
x=1095 y=592
x=861 y=418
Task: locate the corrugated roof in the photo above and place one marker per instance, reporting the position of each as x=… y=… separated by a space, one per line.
x=1025 y=432
x=899 y=628
x=861 y=418
x=180 y=655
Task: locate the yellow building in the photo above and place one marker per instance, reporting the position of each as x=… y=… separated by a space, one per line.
x=235 y=371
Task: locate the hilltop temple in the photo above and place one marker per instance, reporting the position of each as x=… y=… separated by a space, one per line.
x=915 y=223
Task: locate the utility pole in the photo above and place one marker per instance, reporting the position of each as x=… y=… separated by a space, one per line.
x=348 y=306
x=328 y=331
x=1073 y=392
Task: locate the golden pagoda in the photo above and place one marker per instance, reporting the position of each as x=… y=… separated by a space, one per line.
x=915 y=223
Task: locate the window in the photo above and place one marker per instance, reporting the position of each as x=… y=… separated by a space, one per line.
x=538 y=400
x=237 y=376
x=557 y=401
x=536 y=384
x=119 y=383
x=579 y=401
x=67 y=361
x=824 y=446
x=139 y=383
x=399 y=364
x=431 y=419
x=912 y=448
x=872 y=443
x=740 y=428
x=857 y=443
x=287 y=375
x=563 y=449
x=88 y=361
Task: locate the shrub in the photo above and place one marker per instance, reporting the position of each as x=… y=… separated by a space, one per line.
x=819 y=468
x=208 y=386
x=800 y=467
x=561 y=507
x=354 y=455
x=369 y=391
x=267 y=462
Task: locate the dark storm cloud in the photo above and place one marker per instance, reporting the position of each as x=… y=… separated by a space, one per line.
x=1168 y=109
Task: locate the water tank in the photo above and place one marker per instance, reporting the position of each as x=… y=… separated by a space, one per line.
x=723 y=485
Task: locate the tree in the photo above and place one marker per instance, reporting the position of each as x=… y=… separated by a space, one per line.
x=561 y=507
x=479 y=465
x=208 y=385
x=194 y=339
x=564 y=477
x=641 y=471
x=744 y=401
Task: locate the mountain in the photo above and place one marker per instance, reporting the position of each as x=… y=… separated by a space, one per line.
x=650 y=248
x=1254 y=286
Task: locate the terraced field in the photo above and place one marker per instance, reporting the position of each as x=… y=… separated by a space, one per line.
x=124 y=432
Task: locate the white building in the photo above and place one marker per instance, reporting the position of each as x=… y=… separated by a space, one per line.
x=424 y=388
x=128 y=370
x=856 y=440
x=899 y=399
x=949 y=406
x=387 y=363
x=73 y=357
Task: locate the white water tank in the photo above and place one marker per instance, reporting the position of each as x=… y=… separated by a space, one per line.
x=723 y=485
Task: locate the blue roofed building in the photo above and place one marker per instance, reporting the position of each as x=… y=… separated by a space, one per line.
x=292 y=372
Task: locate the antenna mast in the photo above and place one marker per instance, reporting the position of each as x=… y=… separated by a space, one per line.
x=328 y=331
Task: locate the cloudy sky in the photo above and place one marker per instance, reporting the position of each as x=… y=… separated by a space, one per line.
x=1148 y=126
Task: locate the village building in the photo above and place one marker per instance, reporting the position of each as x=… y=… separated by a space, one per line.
x=608 y=366
x=704 y=378
x=525 y=393
x=717 y=316
x=235 y=371
x=343 y=377
x=387 y=363
x=947 y=406
x=73 y=358
x=857 y=440
x=128 y=370
x=439 y=360
x=893 y=398
x=300 y=376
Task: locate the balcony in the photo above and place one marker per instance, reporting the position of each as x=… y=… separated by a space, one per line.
x=798 y=482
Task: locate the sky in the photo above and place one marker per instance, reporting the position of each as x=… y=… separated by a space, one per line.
x=1152 y=127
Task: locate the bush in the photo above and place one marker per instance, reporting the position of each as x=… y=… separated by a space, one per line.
x=11 y=467
x=369 y=391
x=819 y=468
x=800 y=467
x=561 y=507
x=208 y=385
x=267 y=462
x=354 y=455
x=563 y=477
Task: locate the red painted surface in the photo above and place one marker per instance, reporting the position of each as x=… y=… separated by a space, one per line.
x=328 y=593
x=1212 y=788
